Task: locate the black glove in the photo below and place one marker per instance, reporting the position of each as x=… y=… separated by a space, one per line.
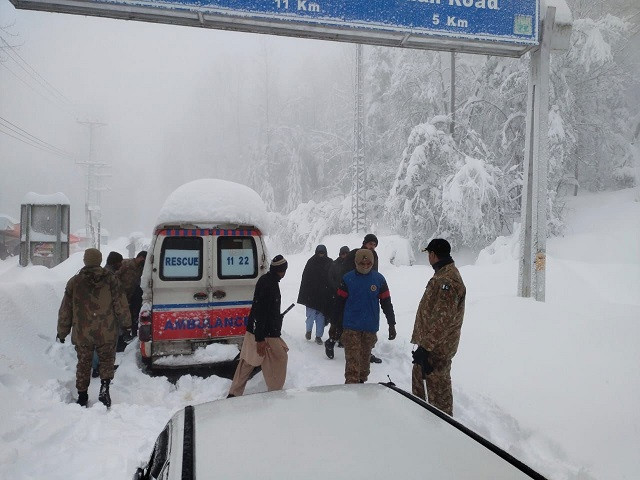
x=59 y=338
x=392 y=332
x=421 y=357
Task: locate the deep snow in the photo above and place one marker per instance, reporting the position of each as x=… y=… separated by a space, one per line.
x=556 y=383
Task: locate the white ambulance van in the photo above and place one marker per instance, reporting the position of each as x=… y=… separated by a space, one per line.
x=206 y=255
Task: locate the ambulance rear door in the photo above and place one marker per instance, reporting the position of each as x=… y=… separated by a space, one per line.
x=238 y=261
x=182 y=289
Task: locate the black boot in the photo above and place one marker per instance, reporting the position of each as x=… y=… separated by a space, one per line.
x=83 y=398
x=374 y=359
x=104 y=396
x=328 y=347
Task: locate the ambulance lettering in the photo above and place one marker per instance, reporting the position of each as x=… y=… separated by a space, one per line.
x=178 y=261
x=196 y=324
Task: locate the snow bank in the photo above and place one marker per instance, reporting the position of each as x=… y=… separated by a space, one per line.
x=502 y=249
x=211 y=200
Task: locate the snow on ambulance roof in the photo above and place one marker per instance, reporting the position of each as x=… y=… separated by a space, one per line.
x=211 y=200
x=33 y=198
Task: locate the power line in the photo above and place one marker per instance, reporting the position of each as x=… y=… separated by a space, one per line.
x=29 y=139
x=53 y=94
x=51 y=87
x=25 y=82
x=31 y=144
x=32 y=72
x=23 y=132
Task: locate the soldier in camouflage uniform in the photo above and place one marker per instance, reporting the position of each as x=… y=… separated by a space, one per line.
x=436 y=331
x=95 y=306
x=129 y=275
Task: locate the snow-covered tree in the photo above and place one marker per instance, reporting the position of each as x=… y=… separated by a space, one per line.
x=414 y=204
x=471 y=204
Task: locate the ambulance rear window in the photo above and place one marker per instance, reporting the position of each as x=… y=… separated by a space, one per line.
x=237 y=257
x=181 y=258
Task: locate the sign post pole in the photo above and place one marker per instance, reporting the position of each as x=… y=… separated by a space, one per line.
x=533 y=229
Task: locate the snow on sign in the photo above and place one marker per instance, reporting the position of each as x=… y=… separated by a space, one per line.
x=498 y=27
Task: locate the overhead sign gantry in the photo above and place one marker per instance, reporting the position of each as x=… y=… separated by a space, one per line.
x=495 y=27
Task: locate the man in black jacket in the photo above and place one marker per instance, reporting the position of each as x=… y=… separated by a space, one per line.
x=262 y=345
x=315 y=293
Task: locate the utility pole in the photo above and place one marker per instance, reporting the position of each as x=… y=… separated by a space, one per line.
x=452 y=96
x=93 y=199
x=358 y=186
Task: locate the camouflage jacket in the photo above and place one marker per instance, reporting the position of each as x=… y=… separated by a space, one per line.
x=129 y=275
x=439 y=316
x=95 y=306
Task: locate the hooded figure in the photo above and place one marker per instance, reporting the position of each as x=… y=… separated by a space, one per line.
x=315 y=291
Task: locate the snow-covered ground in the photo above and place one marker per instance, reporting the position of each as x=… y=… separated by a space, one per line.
x=556 y=384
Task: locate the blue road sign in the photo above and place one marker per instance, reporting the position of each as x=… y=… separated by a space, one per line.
x=500 y=27
x=501 y=20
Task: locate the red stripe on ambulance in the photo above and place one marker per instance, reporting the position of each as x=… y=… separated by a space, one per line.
x=199 y=324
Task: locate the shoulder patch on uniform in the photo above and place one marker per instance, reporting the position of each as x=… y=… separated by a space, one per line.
x=446 y=286
x=373 y=288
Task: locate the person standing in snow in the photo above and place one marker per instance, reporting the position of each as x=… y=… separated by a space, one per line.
x=314 y=291
x=359 y=294
x=437 y=327
x=129 y=275
x=93 y=307
x=114 y=261
x=335 y=277
x=370 y=242
x=262 y=344
x=338 y=268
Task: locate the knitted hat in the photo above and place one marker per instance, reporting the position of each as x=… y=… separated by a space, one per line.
x=370 y=237
x=344 y=249
x=278 y=264
x=321 y=249
x=440 y=247
x=361 y=255
x=92 y=257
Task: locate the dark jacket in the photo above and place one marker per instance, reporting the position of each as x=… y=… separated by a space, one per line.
x=315 y=287
x=129 y=275
x=336 y=272
x=265 y=319
x=359 y=295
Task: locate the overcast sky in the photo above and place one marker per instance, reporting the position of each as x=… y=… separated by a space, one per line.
x=178 y=103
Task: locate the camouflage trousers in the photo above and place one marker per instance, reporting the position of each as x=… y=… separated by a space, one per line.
x=357 y=353
x=438 y=386
x=106 y=355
